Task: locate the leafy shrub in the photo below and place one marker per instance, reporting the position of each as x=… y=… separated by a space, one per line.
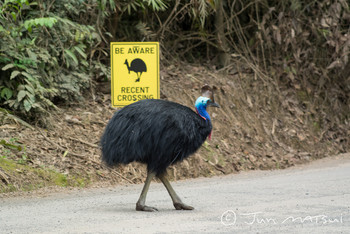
x=42 y=58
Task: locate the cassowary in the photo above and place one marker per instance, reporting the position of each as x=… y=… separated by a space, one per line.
x=138 y=66
x=157 y=133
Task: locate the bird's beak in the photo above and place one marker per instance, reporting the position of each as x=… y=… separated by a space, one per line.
x=213 y=104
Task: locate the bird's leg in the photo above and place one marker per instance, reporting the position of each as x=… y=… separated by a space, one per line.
x=140 y=205
x=178 y=204
x=138 y=77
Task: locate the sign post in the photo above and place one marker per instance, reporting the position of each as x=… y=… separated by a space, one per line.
x=135 y=72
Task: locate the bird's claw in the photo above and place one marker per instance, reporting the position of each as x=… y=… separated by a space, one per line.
x=145 y=208
x=182 y=206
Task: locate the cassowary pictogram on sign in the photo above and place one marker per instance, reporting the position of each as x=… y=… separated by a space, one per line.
x=138 y=66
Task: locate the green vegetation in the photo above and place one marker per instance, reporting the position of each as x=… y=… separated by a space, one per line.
x=44 y=56
x=17 y=173
x=28 y=178
x=10 y=146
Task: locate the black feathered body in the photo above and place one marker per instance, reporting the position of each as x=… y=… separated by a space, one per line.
x=156 y=132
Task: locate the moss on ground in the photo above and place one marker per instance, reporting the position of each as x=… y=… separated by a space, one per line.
x=22 y=177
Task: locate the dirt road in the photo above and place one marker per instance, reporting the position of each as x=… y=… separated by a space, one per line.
x=310 y=199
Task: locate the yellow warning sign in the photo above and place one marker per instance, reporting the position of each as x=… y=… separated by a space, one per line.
x=135 y=72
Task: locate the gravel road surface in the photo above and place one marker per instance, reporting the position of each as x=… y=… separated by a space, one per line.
x=313 y=198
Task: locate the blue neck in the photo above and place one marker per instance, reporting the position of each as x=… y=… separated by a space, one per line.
x=201 y=107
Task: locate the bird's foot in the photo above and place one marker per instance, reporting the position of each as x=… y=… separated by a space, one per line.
x=182 y=206
x=145 y=208
x=137 y=80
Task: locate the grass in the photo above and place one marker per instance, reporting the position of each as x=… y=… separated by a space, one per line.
x=23 y=177
x=17 y=174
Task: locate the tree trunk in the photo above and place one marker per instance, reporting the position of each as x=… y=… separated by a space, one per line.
x=223 y=48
